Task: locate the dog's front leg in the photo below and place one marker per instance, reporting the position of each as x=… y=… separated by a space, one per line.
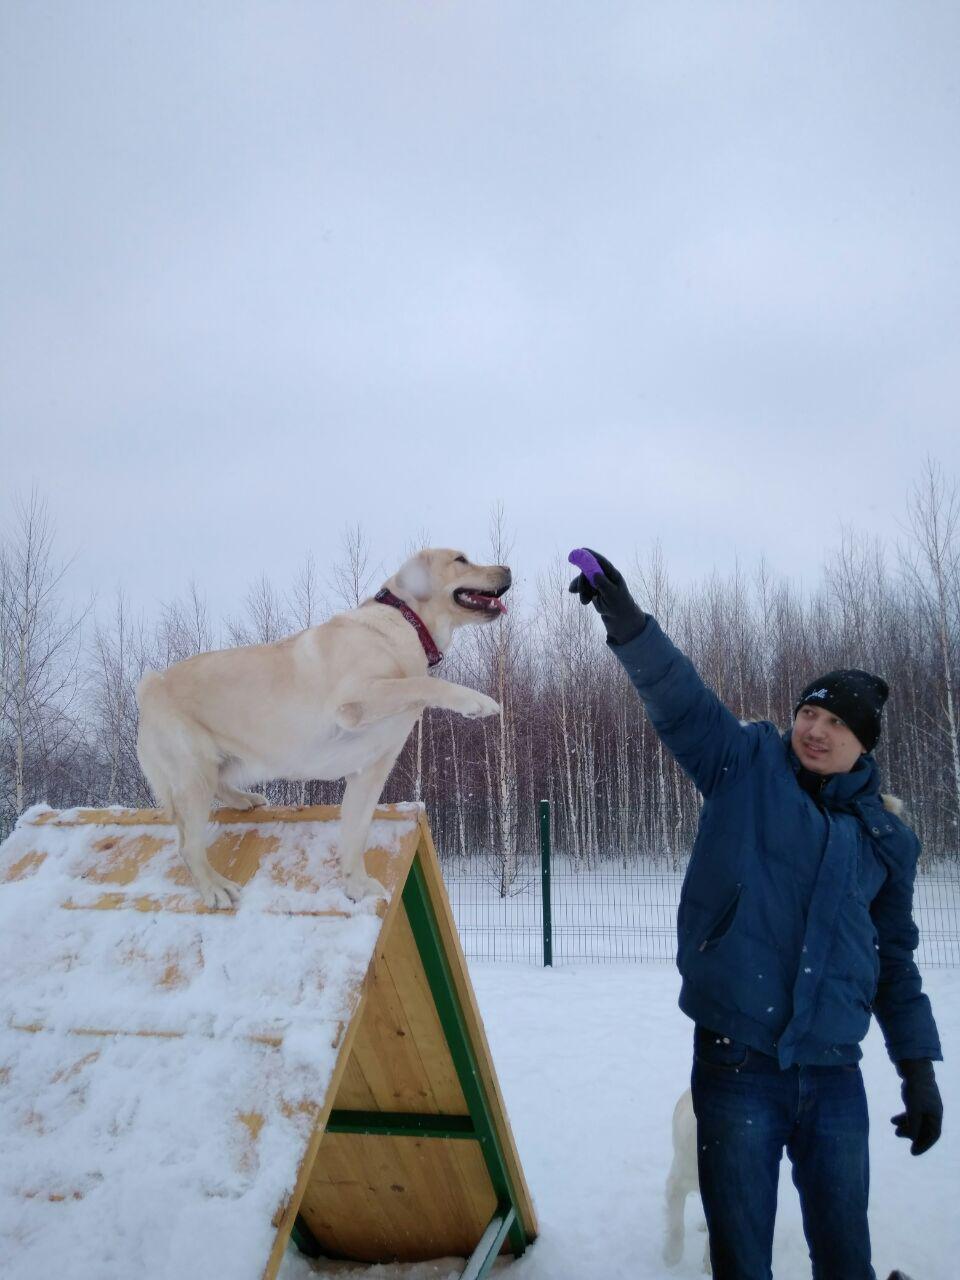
x=359 y=801
x=379 y=699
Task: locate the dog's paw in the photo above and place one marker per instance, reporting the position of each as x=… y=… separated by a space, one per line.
x=243 y=801
x=672 y=1250
x=219 y=893
x=349 y=715
x=359 y=885
x=476 y=705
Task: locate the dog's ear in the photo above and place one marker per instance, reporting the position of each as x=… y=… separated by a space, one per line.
x=415 y=579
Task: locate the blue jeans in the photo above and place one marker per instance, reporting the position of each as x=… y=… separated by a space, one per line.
x=747 y=1111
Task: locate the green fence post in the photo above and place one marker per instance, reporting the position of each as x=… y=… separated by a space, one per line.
x=545 y=882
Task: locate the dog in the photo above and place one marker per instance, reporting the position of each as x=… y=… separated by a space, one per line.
x=682 y=1180
x=337 y=700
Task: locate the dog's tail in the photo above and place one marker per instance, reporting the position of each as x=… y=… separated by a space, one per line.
x=150 y=682
x=149 y=748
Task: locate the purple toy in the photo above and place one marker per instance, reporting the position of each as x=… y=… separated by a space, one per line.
x=586 y=562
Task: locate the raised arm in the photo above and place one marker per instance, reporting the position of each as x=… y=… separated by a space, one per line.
x=705 y=738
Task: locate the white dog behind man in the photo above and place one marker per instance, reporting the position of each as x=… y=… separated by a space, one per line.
x=682 y=1181
x=335 y=701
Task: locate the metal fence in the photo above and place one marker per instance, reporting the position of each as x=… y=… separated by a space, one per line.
x=626 y=910
x=607 y=913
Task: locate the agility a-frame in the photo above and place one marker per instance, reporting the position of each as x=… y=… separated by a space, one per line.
x=184 y=1091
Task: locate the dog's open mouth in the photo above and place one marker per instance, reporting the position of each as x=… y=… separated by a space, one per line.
x=480 y=601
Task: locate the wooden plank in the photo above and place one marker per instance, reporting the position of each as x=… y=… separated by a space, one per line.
x=435 y=1174
x=184 y=904
x=382 y=1199
x=391 y=1070
x=433 y=878
x=402 y=961
x=354 y=1093
x=406 y=1064
x=157 y=817
x=23 y=867
x=334 y=1207
x=470 y=1169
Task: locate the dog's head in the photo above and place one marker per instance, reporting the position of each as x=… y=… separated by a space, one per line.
x=444 y=582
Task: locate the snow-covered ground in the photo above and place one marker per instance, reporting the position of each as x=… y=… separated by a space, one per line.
x=592 y=1060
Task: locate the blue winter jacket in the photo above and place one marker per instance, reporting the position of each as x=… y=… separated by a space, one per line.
x=795 y=921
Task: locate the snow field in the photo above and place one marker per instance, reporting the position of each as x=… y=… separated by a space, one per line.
x=592 y=1060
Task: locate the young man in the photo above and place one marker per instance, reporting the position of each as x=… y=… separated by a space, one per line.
x=795 y=924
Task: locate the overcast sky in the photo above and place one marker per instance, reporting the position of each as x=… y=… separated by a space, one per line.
x=687 y=271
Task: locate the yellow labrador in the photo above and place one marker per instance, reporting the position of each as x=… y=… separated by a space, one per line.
x=337 y=700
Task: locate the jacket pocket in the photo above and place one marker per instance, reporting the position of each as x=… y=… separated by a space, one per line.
x=712 y=1049
x=721 y=926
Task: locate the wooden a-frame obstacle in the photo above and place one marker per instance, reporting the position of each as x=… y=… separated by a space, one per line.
x=183 y=1091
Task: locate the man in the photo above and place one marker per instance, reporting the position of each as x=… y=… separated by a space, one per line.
x=794 y=926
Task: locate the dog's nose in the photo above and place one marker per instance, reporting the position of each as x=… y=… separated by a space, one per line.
x=506 y=573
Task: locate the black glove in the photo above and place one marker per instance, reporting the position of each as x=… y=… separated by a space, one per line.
x=622 y=616
x=923 y=1118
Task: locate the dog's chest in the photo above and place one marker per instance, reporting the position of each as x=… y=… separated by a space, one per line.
x=344 y=751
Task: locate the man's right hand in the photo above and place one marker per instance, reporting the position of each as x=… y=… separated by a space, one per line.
x=622 y=616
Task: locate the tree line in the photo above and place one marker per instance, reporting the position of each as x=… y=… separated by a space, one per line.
x=572 y=730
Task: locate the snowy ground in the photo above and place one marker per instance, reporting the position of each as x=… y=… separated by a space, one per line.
x=592 y=1060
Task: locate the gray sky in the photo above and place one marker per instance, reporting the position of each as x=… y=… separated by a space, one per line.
x=675 y=270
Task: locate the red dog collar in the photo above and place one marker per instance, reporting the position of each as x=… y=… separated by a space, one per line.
x=434 y=655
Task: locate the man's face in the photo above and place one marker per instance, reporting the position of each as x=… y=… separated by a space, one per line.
x=822 y=741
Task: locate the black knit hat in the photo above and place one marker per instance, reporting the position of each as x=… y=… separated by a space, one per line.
x=855 y=696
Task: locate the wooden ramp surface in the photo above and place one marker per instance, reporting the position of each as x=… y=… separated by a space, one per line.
x=167 y=1073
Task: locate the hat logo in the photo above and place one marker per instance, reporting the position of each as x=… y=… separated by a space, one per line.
x=817 y=693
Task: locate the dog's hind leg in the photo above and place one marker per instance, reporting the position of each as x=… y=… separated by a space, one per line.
x=675 y=1198
x=191 y=813
x=359 y=801
x=151 y=764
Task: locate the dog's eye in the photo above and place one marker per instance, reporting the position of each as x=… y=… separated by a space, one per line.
x=461 y=560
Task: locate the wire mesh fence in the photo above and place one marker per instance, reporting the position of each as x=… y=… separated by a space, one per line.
x=625 y=911
x=936 y=910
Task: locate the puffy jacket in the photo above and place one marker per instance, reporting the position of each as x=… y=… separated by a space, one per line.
x=795 y=920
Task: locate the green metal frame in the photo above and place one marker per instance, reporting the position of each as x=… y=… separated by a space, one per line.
x=478 y=1126
x=396 y=1124
x=546 y=897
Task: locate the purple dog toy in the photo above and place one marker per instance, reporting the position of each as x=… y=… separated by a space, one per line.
x=586 y=562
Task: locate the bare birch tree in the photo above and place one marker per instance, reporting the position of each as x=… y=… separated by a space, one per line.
x=39 y=660
x=934 y=515
x=354 y=571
